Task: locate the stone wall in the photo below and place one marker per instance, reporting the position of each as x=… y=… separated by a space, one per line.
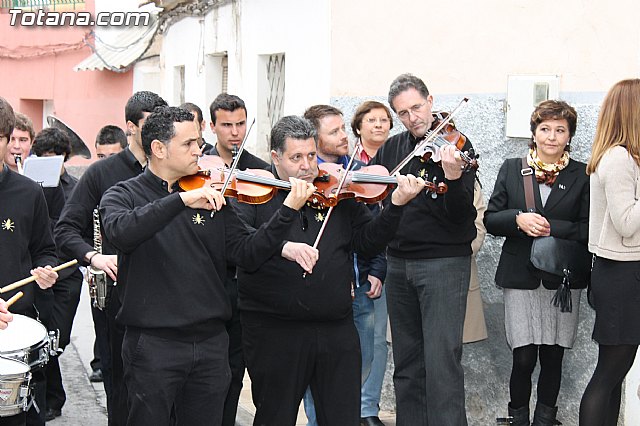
x=488 y=363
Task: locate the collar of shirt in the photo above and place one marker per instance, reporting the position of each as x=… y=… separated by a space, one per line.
x=160 y=183
x=344 y=160
x=4 y=172
x=131 y=160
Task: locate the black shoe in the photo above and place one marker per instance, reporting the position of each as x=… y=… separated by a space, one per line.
x=95 y=376
x=371 y=421
x=52 y=414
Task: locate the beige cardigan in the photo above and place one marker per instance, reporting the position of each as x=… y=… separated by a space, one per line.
x=614 y=213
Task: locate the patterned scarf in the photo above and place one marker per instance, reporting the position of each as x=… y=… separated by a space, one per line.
x=546 y=173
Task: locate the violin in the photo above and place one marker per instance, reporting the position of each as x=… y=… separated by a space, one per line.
x=448 y=135
x=368 y=184
x=251 y=186
x=442 y=133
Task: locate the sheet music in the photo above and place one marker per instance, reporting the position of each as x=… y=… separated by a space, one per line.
x=44 y=170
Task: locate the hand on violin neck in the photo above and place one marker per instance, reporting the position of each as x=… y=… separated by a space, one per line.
x=203 y=198
x=452 y=164
x=408 y=188
x=300 y=192
x=301 y=253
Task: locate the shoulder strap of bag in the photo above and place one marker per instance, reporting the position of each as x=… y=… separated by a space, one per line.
x=527 y=177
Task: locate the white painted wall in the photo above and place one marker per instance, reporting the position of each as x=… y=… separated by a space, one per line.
x=245 y=30
x=470 y=46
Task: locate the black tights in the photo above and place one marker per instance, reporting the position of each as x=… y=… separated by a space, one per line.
x=600 y=403
x=524 y=361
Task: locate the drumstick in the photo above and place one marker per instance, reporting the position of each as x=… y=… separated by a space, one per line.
x=33 y=277
x=15 y=298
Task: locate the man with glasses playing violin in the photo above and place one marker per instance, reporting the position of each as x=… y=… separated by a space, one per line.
x=428 y=268
x=298 y=328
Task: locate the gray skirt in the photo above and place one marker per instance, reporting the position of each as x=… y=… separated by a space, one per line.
x=531 y=318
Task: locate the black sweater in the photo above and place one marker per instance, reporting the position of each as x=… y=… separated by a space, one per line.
x=431 y=228
x=172 y=259
x=74 y=231
x=25 y=236
x=278 y=289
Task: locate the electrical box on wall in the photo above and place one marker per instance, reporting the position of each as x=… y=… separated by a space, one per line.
x=524 y=93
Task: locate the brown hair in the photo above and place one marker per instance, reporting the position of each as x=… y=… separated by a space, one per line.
x=316 y=113
x=25 y=124
x=7 y=118
x=364 y=109
x=618 y=122
x=553 y=110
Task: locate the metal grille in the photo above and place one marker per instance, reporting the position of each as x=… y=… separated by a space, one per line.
x=51 y=5
x=225 y=73
x=275 y=78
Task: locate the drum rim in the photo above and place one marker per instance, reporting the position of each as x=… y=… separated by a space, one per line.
x=23 y=319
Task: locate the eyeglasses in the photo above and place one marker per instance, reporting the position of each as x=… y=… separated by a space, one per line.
x=414 y=109
x=372 y=120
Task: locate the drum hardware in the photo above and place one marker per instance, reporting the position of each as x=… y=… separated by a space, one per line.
x=15 y=379
x=27 y=341
x=54 y=343
x=97 y=278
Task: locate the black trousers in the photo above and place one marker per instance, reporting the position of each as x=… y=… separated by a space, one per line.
x=66 y=298
x=285 y=357
x=102 y=349
x=117 y=405
x=162 y=375
x=236 y=355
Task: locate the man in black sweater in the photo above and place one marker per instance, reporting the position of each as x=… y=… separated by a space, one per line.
x=298 y=329
x=172 y=256
x=26 y=245
x=74 y=235
x=428 y=268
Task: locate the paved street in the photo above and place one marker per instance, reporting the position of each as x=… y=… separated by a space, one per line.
x=86 y=404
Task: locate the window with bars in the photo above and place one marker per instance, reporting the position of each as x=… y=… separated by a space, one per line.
x=275 y=80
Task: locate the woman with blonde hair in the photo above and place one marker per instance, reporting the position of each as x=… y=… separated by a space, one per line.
x=614 y=237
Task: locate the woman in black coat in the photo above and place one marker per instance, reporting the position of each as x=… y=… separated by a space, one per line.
x=534 y=326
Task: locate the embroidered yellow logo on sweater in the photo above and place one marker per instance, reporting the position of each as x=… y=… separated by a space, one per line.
x=8 y=225
x=198 y=219
x=320 y=217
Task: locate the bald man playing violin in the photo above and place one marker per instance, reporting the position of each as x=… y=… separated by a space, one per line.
x=298 y=328
x=173 y=247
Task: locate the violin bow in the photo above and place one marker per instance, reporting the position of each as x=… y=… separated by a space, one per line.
x=234 y=165
x=430 y=136
x=343 y=179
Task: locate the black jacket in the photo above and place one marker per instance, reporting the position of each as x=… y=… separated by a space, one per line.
x=278 y=288
x=431 y=228
x=172 y=259
x=566 y=209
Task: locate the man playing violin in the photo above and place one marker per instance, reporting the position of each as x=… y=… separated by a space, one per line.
x=26 y=248
x=428 y=269
x=173 y=248
x=298 y=329
x=369 y=273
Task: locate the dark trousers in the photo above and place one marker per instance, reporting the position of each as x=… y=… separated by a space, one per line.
x=117 y=404
x=102 y=360
x=285 y=357
x=66 y=298
x=163 y=374
x=236 y=356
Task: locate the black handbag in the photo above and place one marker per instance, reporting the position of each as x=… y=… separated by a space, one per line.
x=559 y=263
x=555 y=260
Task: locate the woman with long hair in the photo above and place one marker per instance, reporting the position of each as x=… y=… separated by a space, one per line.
x=614 y=237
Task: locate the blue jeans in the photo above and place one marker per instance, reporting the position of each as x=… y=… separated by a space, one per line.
x=372 y=386
x=427 y=300
x=363 y=309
